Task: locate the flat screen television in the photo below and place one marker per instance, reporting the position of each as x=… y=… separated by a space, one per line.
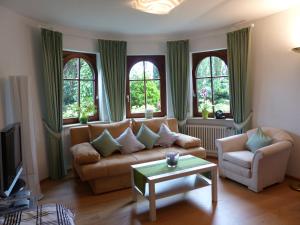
x=10 y=158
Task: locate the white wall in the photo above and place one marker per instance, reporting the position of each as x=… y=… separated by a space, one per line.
x=276 y=77
x=20 y=55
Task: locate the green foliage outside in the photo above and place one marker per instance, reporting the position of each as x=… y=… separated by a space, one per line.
x=220 y=84
x=71 y=88
x=140 y=89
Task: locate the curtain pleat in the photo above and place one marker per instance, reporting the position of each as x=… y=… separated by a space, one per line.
x=53 y=93
x=178 y=63
x=238 y=44
x=113 y=65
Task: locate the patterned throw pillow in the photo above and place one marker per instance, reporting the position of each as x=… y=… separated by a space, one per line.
x=258 y=140
x=105 y=144
x=147 y=136
x=129 y=142
x=166 y=136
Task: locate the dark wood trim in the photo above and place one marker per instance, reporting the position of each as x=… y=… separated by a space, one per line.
x=159 y=62
x=92 y=61
x=196 y=59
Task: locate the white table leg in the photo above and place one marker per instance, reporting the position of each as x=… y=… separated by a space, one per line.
x=134 y=194
x=152 y=205
x=214 y=184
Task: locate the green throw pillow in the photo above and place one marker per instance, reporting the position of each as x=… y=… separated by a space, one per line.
x=258 y=140
x=105 y=144
x=147 y=136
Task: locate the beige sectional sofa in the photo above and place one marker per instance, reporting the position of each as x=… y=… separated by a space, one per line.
x=113 y=172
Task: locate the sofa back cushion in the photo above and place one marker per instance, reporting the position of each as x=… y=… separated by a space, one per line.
x=115 y=129
x=153 y=124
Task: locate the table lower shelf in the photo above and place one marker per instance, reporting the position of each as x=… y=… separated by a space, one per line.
x=178 y=185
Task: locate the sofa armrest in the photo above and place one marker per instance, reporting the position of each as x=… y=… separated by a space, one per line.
x=84 y=153
x=232 y=143
x=186 y=141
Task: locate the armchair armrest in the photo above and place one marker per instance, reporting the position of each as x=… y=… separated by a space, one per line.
x=232 y=143
x=272 y=149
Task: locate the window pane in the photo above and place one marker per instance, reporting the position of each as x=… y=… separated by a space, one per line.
x=71 y=69
x=221 y=94
x=203 y=69
x=70 y=99
x=86 y=71
x=137 y=97
x=151 y=71
x=219 y=67
x=200 y=85
x=87 y=93
x=137 y=71
x=153 y=95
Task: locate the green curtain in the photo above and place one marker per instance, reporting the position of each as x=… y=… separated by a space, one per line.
x=178 y=63
x=238 y=44
x=52 y=85
x=113 y=64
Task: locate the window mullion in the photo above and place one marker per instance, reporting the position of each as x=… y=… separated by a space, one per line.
x=78 y=70
x=212 y=86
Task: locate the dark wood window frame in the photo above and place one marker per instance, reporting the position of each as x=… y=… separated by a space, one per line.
x=159 y=62
x=196 y=59
x=91 y=60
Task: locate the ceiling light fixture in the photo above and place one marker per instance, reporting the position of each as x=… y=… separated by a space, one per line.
x=156 y=6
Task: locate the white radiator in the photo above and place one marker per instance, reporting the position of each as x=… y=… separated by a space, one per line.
x=208 y=135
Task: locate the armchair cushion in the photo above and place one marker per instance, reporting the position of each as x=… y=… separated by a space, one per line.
x=241 y=158
x=258 y=140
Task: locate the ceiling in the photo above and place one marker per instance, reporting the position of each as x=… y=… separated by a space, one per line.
x=117 y=16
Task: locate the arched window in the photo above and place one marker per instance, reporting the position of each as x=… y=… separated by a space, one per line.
x=80 y=82
x=210 y=77
x=145 y=85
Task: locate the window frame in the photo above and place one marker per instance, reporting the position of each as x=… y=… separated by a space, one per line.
x=91 y=60
x=159 y=62
x=196 y=59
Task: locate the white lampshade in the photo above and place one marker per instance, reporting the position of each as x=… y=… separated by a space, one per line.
x=156 y=6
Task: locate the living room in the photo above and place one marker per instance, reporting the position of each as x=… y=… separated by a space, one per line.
x=273 y=69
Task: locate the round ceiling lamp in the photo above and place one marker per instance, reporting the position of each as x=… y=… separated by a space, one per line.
x=156 y=6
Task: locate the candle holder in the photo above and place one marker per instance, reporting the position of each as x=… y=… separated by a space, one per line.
x=172 y=159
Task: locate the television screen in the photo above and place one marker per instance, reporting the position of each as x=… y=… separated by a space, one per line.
x=11 y=157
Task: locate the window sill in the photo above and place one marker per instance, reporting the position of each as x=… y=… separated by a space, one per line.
x=228 y=122
x=80 y=124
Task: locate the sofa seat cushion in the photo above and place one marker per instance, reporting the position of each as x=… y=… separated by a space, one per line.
x=240 y=158
x=148 y=155
x=110 y=166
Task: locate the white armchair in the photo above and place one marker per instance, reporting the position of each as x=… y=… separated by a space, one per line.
x=257 y=170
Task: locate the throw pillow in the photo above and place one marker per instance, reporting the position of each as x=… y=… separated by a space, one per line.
x=166 y=136
x=105 y=144
x=115 y=129
x=147 y=136
x=258 y=140
x=84 y=153
x=129 y=142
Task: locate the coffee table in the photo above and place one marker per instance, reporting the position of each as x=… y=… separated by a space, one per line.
x=172 y=181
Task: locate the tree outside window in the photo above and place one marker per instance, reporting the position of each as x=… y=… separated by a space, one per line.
x=79 y=86
x=145 y=85
x=210 y=73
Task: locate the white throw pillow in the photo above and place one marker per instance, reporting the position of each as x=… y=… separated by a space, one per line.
x=166 y=136
x=129 y=142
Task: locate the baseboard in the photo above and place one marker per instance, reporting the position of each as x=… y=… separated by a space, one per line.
x=292 y=177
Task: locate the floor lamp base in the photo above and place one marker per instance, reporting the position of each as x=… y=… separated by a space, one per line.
x=295 y=186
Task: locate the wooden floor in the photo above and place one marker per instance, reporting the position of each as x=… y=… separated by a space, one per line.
x=276 y=205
